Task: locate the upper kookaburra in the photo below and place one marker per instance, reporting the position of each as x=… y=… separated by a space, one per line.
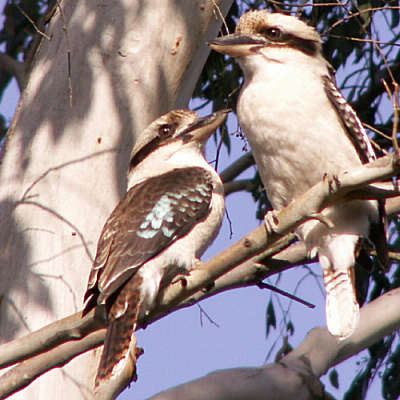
x=170 y=214
x=300 y=128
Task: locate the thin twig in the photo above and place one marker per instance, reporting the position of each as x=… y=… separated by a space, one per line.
x=263 y=285
x=360 y=12
x=395 y=115
x=394 y=98
x=203 y=312
x=65 y=29
x=219 y=147
x=221 y=16
x=372 y=128
x=357 y=39
x=31 y=21
x=375 y=43
x=178 y=296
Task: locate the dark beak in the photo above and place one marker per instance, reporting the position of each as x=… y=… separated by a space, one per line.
x=202 y=129
x=236 y=45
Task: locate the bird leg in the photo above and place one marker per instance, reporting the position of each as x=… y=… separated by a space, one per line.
x=183 y=275
x=323 y=219
x=333 y=182
x=182 y=278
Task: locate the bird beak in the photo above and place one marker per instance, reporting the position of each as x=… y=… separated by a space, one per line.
x=236 y=45
x=202 y=129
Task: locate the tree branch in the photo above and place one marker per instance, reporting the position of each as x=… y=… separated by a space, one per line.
x=218 y=273
x=377 y=87
x=73 y=327
x=237 y=167
x=238 y=186
x=296 y=375
x=312 y=202
x=378 y=319
x=14 y=68
x=25 y=372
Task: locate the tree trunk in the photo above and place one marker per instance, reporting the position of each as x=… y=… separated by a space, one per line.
x=109 y=69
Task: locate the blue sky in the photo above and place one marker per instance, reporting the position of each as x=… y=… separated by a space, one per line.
x=184 y=346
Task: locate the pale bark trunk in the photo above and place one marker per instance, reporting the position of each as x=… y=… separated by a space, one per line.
x=64 y=166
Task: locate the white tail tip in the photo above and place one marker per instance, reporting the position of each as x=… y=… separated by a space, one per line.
x=342 y=309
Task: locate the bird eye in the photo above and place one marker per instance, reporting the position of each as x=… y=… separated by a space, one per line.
x=165 y=130
x=273 y=33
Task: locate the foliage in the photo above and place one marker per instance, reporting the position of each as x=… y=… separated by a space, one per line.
x=17 y=33
x=348 y=33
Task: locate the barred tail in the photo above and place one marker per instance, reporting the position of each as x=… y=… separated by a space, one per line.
x=120 y=352
x=342 y=309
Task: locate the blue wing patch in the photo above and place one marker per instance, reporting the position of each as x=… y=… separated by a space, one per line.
x=147 y=220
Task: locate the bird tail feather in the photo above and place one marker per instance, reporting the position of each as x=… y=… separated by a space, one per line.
x=342 y=309
x=120 y=352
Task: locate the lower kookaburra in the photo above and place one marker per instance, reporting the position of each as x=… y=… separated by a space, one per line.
x=170 y=214
x=300 y=128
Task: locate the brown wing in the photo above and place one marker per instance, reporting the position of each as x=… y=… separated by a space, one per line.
x=353 y=126
x=358 y=136
x=148 y=219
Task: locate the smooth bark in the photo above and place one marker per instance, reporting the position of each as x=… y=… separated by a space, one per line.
x=52 y=340
x=109 y=69
x=296 y=375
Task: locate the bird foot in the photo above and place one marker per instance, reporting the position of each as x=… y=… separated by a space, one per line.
x=207 y=288
x=396 y=157
x=271 y=221
x=180 y=278
x=333 y=182
x=323 y=219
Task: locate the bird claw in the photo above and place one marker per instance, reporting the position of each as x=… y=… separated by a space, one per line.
x=145 y=319
x=271 y=221
x=207 y=288
x=333 y=182
x=183 y=276
x=180 y=278
x=323 y=219
x=396 y=157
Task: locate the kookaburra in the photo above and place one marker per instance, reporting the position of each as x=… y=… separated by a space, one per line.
x=301 y=129
x=170 y=214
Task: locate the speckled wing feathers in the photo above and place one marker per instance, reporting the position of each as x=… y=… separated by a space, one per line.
x=148 y=219
x=351 y=122
x=363 y=146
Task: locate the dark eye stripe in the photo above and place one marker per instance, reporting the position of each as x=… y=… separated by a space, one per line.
x=144 y=152
x=165 y=134
x=309 y=47
x=275 y=35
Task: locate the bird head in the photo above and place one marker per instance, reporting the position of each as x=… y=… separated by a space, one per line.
x=176 y=131
x=258 y=30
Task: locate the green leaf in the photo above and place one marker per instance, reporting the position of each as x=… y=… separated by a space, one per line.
x=270 y=317
x=290 y=328
x=334 y=378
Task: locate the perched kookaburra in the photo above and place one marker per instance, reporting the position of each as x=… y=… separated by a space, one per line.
x=300 y=128
x=170 y=214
